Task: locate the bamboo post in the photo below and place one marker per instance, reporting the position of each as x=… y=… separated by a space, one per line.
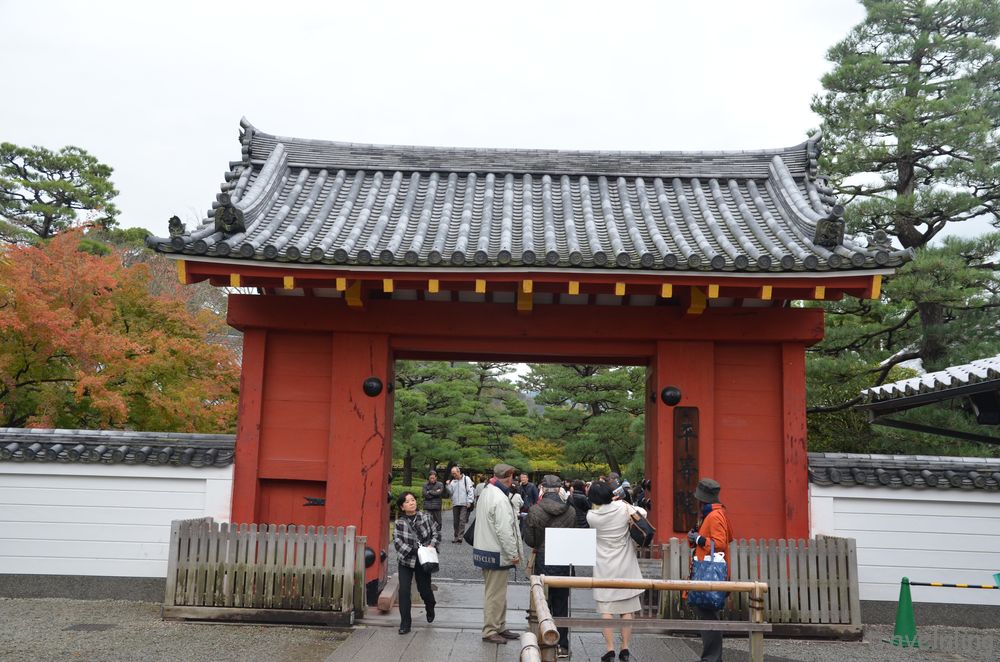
x=530 y=652
x=548 y=635
x=757 y=616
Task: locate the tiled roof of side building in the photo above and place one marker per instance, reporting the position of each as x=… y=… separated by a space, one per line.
x=116 y=446
x=975 y=372
x=333 y=203
x=899 y=471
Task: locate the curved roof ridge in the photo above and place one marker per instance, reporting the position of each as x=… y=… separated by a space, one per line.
x=315 y=153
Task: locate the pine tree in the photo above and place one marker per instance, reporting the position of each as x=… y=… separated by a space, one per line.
x=911 y=117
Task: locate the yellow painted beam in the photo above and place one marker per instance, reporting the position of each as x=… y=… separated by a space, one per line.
x=619 y=289
x=820 y=292
x=698 y=302
x=182 y=271
x=234 y=280
x=713 y=291
x=353 y=294
x=289 y=282
x=341 y=284
x=574 y=288
x=387 y=285
x=524 y=298
x=433 y=286
x=480 y=286
x=667 y=291
x=765 y=293
x=876 y=286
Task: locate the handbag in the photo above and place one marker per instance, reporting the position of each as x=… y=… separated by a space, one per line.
x=708 y=571
x=470 y=529
x=640 y=529
x=427 y=557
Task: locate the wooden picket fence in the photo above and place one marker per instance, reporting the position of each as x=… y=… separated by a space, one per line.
x=812 y=584
x=265 y=573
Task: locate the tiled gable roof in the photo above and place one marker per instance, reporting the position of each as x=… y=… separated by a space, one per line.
x=898 y=471
x=116 y=447
x=330 y=203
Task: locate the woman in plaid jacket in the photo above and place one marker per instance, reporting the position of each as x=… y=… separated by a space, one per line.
x=414 y=529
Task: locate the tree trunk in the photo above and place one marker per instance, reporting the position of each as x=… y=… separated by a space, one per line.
x=933 y=339
x=408 y=468
x=612 y=461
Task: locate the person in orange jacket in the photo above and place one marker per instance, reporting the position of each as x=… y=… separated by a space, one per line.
x=714 y=527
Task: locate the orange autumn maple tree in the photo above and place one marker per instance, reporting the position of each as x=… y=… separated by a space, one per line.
x=84 y=344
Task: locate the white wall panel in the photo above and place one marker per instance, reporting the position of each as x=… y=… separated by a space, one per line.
x=949 y=536
x=107 y=520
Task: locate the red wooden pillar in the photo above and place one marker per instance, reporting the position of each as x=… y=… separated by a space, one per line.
x=359 y=451
x=793 y=389
x=690 y=366
x=248 y=431
x=654 y=434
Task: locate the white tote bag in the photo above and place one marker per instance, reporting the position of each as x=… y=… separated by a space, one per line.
x=427 y=557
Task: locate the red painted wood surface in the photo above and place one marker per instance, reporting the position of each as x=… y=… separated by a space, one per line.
x=793 y=373
x=652 y=446
x=593 y=281
x=458 y=322
x=306 y=425
x=248 y=427
x=359 y=447
x=749 y=460
x=688 y=366
x=284 y=502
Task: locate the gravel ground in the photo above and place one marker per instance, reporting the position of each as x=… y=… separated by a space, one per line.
x=938 y=643
x=114 y=630
x=40 y=630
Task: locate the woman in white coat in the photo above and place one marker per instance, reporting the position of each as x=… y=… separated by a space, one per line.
x=616 y=558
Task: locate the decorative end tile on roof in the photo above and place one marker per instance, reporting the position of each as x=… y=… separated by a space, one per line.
x=332 y=203
x=116 y=447
x=899 y=471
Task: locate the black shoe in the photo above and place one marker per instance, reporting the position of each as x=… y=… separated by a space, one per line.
x=608 y=657
x=624 y=655
x=404 y=629
x=430 y=613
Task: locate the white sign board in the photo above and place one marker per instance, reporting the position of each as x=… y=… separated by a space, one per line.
x=570 y=546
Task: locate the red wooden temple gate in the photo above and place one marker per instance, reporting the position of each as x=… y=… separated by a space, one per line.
x=686 y=263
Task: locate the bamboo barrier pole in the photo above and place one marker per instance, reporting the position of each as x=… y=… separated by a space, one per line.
x=757 y=616
x=653 y=584
x=547 y=631
x=530 y=652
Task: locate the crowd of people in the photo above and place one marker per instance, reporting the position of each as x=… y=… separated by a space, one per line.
x=511 y=511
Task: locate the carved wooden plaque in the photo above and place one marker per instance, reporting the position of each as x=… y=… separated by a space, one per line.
x=685 y=467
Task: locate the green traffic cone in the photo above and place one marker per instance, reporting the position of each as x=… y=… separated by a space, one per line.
x=905 y=634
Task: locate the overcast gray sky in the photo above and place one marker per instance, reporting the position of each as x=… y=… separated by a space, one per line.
x=157 y=91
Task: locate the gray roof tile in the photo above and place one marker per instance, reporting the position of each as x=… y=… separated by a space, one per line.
x=115 y=447
x=898 y=471
x=974 y=372
x=331 y=203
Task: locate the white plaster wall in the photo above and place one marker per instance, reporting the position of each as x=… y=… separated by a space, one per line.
x=930 y=535
x=101 y=519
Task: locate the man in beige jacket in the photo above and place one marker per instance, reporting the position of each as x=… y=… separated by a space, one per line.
x=496 y=549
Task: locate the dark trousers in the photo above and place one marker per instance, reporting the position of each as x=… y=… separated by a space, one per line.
x=711 y=642
x=436 y=516
x=461 y=518
x=559 y=605
x=406 y=577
